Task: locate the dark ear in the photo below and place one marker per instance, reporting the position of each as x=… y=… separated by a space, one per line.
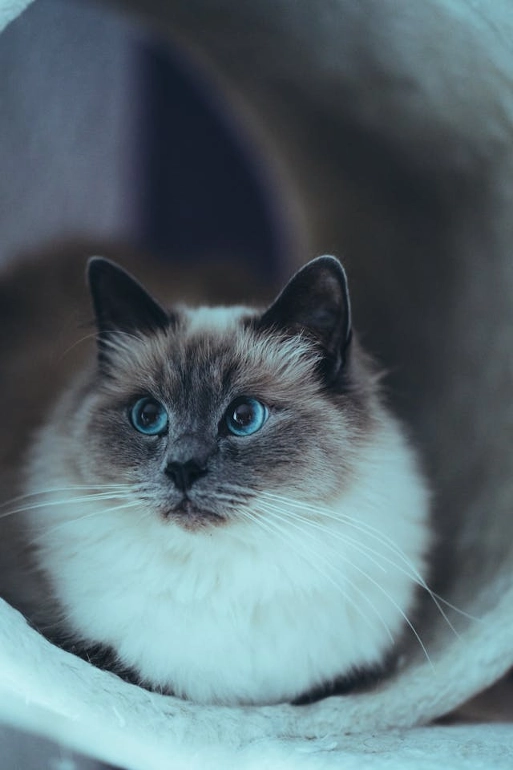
x=120 y=302
x=316 y=302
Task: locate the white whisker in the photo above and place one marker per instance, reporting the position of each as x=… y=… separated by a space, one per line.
x=68 y=501
x=383 y=540
x=77 y=519
x=366 y=550
x=328 y=531
x=372 y=580
x=101 y=337
x=314 y=563
x=73 y=488
x=273 y=528
x=78 y=342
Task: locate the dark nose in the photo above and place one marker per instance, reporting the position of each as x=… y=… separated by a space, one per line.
x=185 y=474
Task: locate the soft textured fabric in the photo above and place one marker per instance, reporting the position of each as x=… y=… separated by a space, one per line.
x=9 y=9
x=56 y=694
x=431 y=84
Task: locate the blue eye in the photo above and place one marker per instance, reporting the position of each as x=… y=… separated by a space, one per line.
x=245 y=416
x=148 y=416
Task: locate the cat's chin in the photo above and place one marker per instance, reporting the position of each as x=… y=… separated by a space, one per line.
x=191 y=517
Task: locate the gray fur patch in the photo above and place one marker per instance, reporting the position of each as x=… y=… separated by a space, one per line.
x=308 y=445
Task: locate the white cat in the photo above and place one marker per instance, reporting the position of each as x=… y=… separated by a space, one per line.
x=225 y=502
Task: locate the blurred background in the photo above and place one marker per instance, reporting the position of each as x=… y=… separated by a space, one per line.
x=394 y=122
x=111 y=136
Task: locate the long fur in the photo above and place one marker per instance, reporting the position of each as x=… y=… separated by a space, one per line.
x=313 y=573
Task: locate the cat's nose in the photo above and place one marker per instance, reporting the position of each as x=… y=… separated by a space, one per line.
x=185 y=474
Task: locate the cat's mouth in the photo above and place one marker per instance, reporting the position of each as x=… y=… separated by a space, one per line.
x=191 y=516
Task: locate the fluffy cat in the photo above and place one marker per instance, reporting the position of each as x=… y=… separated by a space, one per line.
x=224 y=500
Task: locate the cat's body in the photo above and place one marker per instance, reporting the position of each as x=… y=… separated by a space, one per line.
x=268 y=538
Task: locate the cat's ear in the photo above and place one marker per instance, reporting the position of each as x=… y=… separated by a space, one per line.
x=316 y=302
x=121 y=304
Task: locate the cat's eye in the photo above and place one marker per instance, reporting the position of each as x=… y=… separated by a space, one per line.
x=149 y=416
x=245 y=416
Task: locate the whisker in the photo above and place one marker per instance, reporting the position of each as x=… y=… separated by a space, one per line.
x=273 y=528
x=332 y=534
x=69 y=501
x=383 y=540
x=387 y=595
x=78 y=342
x=452 y=607
x=414 y=576
x=75 y=520
x=74 y=488
x=101 y=337
x=237 y=487
x=323 y=511
x=352 y=585
x=231 y=499
x=363 y=548
x=396 y=605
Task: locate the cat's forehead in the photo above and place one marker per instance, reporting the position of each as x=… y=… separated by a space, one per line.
x=216 y=350
x=216 y=321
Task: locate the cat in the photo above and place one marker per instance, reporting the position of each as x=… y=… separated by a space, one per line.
x=223 y=499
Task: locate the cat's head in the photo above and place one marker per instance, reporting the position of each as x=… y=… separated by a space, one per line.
x=201 y=411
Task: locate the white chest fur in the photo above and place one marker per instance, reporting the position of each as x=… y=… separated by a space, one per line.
x=248 y=613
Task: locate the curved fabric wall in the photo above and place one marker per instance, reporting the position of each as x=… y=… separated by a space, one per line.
x=393 y=127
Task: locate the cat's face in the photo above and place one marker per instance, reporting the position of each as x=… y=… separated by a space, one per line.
x=202 y=411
